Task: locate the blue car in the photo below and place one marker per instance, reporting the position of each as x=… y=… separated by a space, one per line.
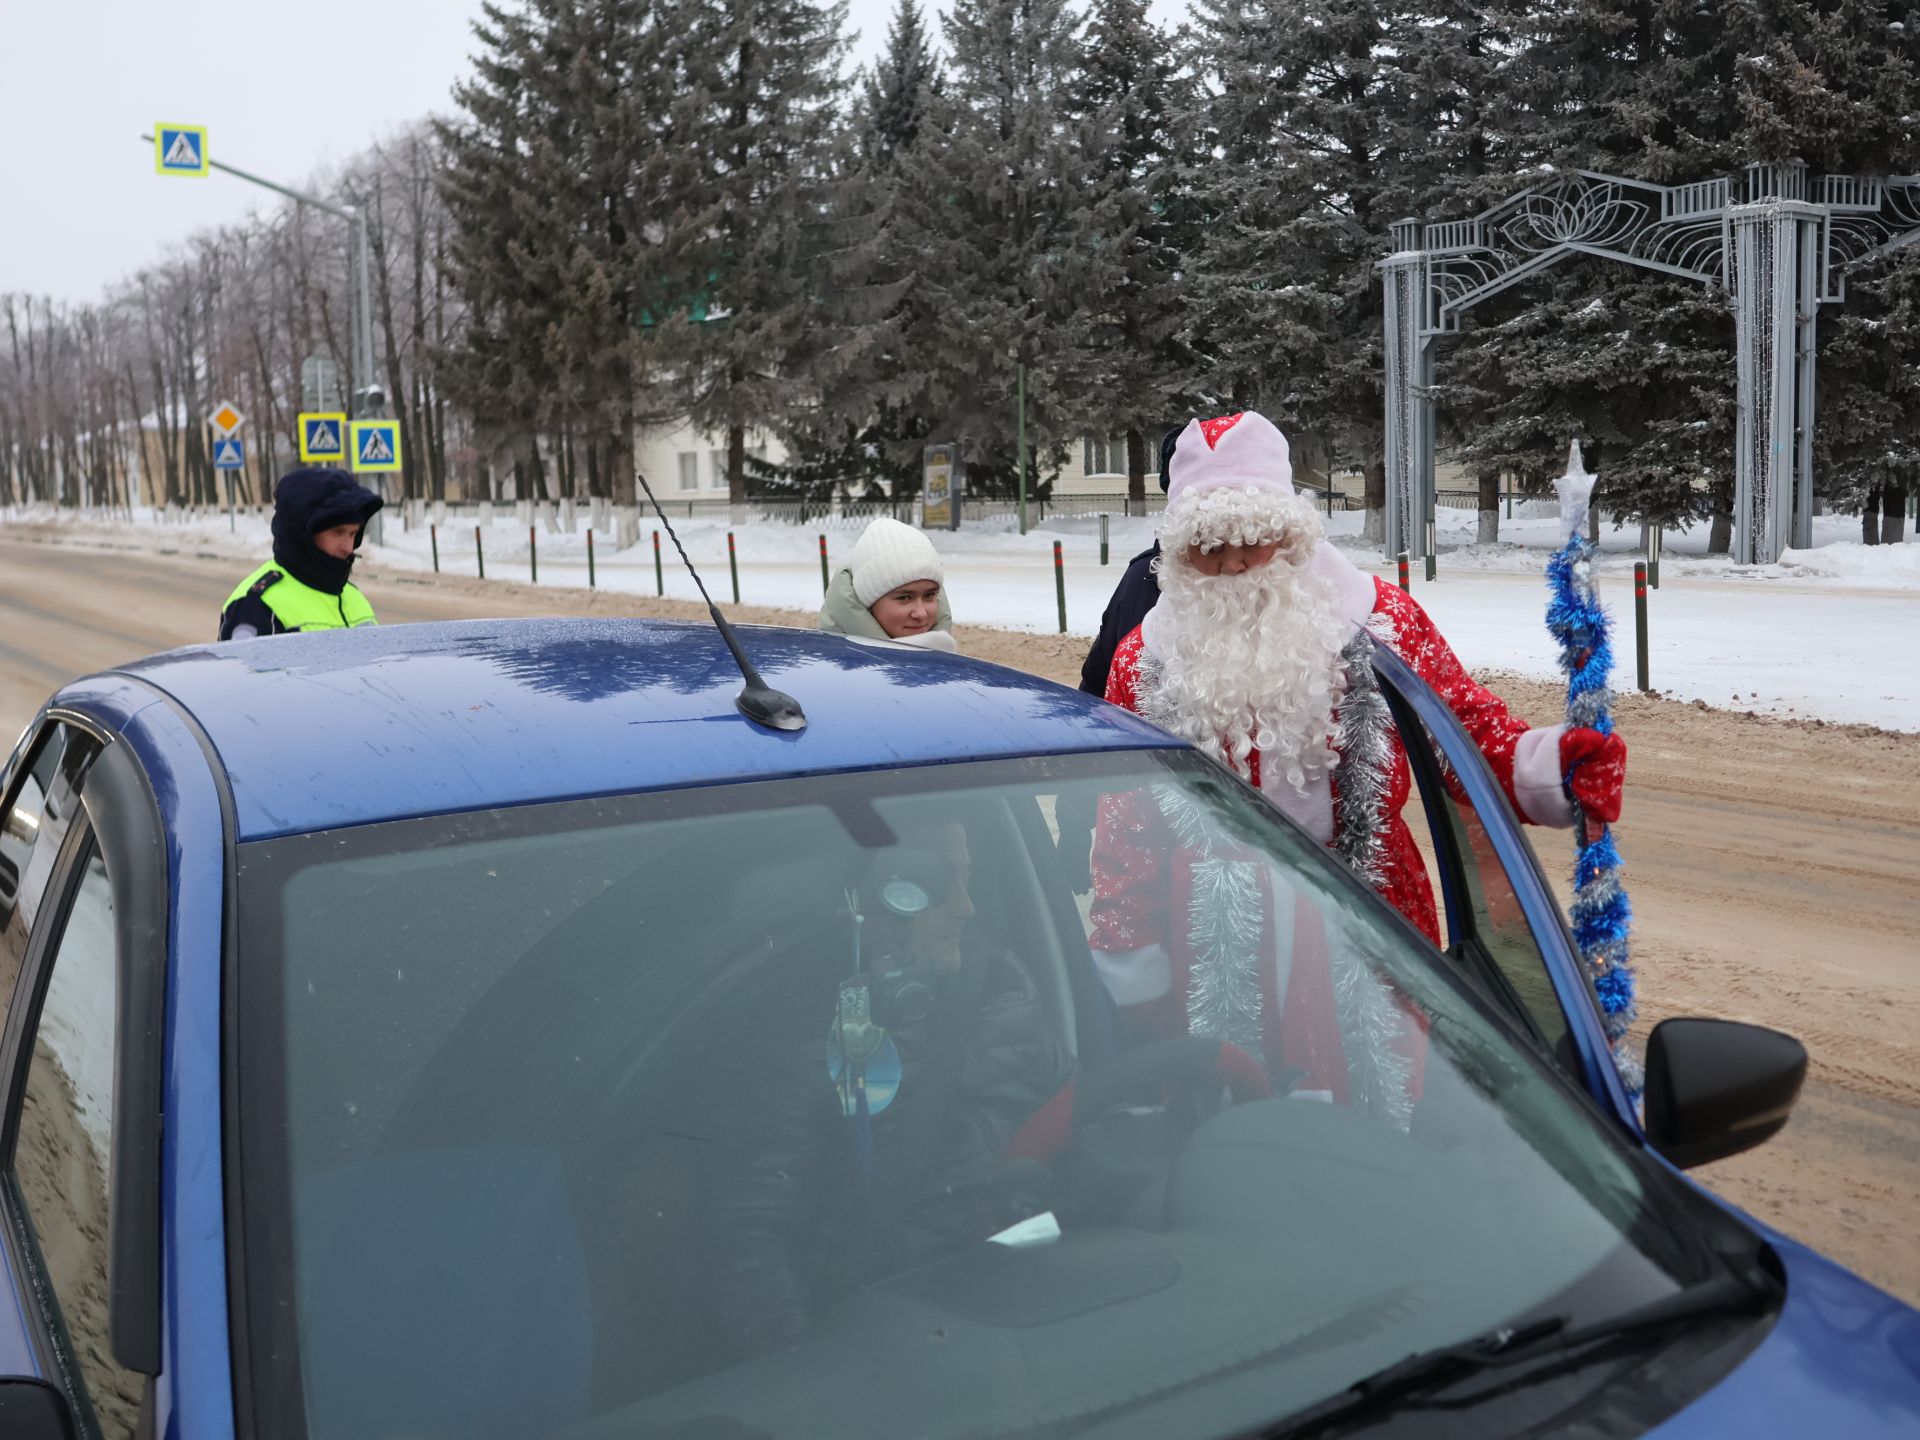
x=486 y=1030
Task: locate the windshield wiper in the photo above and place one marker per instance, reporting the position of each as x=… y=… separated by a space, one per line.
x=1404 y=1380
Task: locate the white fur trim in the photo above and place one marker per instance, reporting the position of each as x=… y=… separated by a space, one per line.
x=1536 y=779
x=888 y=555
x=1133 y=977
x=1241 y=515
x=1354 y=591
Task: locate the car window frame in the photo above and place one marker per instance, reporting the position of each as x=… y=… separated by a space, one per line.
x=1596 y=1073
x=117 y=816
x=57 y=1366
x=1459 y=887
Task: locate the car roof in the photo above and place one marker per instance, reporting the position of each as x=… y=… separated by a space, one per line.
x=351 y=727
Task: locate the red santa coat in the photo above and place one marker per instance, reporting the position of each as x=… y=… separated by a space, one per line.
x=1528 y=770
x=1144 y=877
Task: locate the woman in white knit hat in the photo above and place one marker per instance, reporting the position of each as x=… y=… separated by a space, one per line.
x=891 y=588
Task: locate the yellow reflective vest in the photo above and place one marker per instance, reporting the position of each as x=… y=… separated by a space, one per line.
x=301 y=607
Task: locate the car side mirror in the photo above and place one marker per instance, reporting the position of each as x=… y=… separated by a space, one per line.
x=33 y=1410
x=1718 y=1087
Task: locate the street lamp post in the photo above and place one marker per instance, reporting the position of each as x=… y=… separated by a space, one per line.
x=368 y=399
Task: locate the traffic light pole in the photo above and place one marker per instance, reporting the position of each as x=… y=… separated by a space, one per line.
x=362 y=406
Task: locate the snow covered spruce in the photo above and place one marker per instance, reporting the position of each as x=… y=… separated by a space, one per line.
x=1257 y=654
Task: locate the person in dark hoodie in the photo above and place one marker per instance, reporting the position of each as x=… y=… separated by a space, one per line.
x=319 y=517
x=1132 y=598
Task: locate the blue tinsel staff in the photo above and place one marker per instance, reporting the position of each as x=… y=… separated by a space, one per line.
x=1602 y=918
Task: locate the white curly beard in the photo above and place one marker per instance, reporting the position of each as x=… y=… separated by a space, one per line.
x=1248 y=662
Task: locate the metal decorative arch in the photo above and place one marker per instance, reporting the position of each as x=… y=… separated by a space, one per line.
x=1776 y=246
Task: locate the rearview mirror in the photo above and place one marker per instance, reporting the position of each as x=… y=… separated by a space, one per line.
x=1717 y=1087
x=33 y=1410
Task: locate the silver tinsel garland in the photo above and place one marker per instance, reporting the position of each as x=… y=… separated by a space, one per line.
x=1364 y=740
x=1371 y=1024
x=1226 y=923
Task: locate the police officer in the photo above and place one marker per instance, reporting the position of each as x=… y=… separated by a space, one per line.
x=319 y=517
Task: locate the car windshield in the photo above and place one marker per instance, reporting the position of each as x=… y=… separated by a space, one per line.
x=867 y=1105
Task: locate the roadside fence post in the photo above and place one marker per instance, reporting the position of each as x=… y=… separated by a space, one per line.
x=825 y=582
x=1103 y=537
x=590 y=557
x=1060 y=585
x=1640 y=619
x=733 y=567
x=433 y=537
x=1404 y=585
x=533 y=555
x=1433 y=559
x=659 y=575
x=479 y=554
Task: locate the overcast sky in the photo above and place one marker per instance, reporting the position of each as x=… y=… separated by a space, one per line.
x=283 y=90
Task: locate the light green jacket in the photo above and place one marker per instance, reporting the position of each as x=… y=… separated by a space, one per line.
x=841 y=613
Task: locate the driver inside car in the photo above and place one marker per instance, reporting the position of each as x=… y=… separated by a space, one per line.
x=872 y=1113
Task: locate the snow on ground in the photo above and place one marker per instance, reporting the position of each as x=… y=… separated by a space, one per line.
x=1827 y=633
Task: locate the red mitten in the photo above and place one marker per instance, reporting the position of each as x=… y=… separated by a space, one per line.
x=1596 y=769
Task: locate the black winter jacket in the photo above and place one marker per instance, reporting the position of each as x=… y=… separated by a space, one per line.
x=1136 y=594
x=791 y=1228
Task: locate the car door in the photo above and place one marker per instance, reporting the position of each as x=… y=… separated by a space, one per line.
x=1503 y=924
x=77 y=1258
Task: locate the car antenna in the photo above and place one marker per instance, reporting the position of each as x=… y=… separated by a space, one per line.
x=757 y=700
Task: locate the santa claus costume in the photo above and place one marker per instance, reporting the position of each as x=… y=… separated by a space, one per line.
x=1265 y=667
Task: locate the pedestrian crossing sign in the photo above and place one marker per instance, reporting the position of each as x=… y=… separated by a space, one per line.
x=180 y=149
x=376 y=445
x=229 y=453
x=323 y=437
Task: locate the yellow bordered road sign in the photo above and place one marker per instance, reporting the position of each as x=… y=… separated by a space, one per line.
x=376 y=445
x=323 y=437
x=180 y=149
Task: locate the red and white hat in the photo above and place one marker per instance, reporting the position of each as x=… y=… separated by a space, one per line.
x=1233 y=484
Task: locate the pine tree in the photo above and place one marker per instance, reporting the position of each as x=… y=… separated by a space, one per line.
x=554 y=175
x=741 y=344
x=860 y=436
x=989 y=207
x=1302 y=106
x=1128 y=99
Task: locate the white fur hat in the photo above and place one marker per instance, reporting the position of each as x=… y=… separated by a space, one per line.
x=888 y=555
x=1233 y=482
x=1231 y=450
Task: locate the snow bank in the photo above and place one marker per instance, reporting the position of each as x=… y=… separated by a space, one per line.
x=1825 y=633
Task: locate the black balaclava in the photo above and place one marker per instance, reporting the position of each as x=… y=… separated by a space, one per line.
x=307 y=502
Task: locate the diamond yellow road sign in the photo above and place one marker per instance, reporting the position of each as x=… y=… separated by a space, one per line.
x=227 y=418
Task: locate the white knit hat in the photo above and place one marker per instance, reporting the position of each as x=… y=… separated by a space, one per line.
x=889 y=555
